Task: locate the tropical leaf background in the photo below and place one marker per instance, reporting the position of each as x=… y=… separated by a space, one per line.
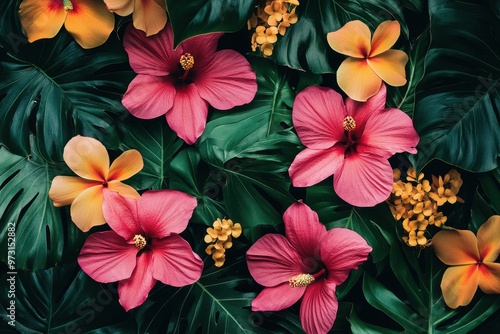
x=52 y=90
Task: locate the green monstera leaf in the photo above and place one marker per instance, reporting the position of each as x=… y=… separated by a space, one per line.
x=53 y=89
x=458 y=103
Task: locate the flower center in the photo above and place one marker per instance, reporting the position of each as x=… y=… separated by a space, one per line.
x=301 y=280
x=67 y=5
x=139 y=241
x=349 y=124
x=187 y=61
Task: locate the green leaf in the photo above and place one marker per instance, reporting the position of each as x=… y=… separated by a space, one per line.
x=44 y=237
x=480 y=212
x=304 y=45
x=53 y=89
x=157 y=144
x=490 y=182
x=196 y=17
x=458 y=101
x=62 y=300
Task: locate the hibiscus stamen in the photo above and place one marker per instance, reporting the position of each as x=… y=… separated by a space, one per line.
x=301 y=280
x=187 y=61
x=67 y=5
x=349 y=124
x=139 y=241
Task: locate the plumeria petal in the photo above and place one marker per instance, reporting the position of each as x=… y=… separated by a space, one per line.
x=121 y=214
x=152 y=102
x=123 y=189
x=188 y=115
x=357 y=79
x=87 y=157
x=342 y=250
x=120 y=7
x=277 y=298
x=459 y=284
x=135 y=290
x=313 y=166
x=303 y=230
x=90 y=23
x=489 y=277
x=106 y=257
x=174 y=262
x=388 y=132
x=126 y=165
x=86 y=210
x=272 y=260
x=64 y=189
x=150 y=16
x=318 y=308
x=488 y=239
x=384 y=37
x=390 y=66
x=362 y=111
x=318 y=113
x=363 y=180
x=226 y=81
x=456 y=247
x=165 y=211
x=353 y=39
x=41 y=18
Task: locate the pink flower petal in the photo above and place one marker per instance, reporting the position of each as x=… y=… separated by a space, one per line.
x=342 y=250
x=202 y=48
x=362 y=111
x=226 y=81
x=303 y=230
x=188 y=115
x=121 y=214
x=106 y=257
x=135 y=290
x=149 y=96
x=318 y=113
x=165 y=211
x=174 y=262
x=313 y=166
x=272 y=260
x=152 y=55
x=388 y=132
x=277 y=298
x=318 y=308
x=363 y=180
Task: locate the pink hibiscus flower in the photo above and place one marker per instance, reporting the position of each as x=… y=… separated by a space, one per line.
x=182 y=83
x=351 y=141
x=308 y=263
x=144 y=246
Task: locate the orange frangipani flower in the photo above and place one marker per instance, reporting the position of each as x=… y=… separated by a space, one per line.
x=89 y=22
x=89 y=159
x=370 y=61
x=472 y=261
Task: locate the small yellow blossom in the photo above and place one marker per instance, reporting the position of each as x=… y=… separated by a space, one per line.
x=220 y=238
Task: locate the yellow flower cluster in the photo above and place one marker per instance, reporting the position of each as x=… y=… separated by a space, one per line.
x=416 y=202
x=220 y=238
x=271 y=18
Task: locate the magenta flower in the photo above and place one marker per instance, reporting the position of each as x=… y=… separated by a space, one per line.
x=144 y=246
x=308 y=263
x=181 y=83
x=351 y=141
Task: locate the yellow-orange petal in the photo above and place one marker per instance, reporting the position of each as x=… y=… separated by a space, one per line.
x=357 y=79
x=353 y=39
x=120 y=7
x=488 y=239
x=41 y=18
x=64 y=189
x=87 y=157
x=459 y=284
x=385 y=36
x=86 y=210
x=126 y=165
x=89 y=22
x=123 y=189
x=456 y=247
x=489 y=277
x=149 y=16
x=390 y=66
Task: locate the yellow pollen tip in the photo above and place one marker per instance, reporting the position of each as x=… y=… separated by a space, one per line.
x=139 y=241
x=301 y=280
x=67 y=5
x=187 y=61
x=349 y=124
